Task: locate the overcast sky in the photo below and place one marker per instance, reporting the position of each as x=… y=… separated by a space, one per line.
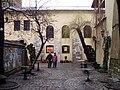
x=82 y=3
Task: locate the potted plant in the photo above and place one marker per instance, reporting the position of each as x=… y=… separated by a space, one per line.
x=65 y=58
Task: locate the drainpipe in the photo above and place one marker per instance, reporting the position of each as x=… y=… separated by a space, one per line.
x=1 y=39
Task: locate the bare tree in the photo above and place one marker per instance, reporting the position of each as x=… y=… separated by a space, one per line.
x=40 y=19
x=77 y=24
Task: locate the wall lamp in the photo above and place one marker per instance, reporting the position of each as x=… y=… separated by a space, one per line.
x=1 y=29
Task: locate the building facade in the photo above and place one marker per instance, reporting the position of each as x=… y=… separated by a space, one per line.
x=100 y=24
x=108 y=26
x=114 y=66
x=64 y=38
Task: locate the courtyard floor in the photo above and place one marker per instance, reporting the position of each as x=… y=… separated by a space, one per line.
x=67 y=76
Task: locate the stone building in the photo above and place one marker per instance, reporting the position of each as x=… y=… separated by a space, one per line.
x=64 y=39
x=107 y=24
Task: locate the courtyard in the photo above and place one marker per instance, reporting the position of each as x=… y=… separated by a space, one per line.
x=67 y=76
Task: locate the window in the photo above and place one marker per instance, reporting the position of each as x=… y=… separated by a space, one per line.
x=16 y=25
x=26 y=25
x=49 y=48
x=87 y=31
x=65 y=49
x=50 y=32
x=65 y=32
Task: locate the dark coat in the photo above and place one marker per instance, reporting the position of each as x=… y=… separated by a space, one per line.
x=49 y=57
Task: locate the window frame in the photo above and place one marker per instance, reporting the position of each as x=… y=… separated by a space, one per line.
x=50 y=32
x=26 y=25
x=65 y=49
x=16 y=25
x=87 y=31
x=65 y=31
x=50 y=46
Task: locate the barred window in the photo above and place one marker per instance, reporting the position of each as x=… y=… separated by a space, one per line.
x=50 y=32
x=87 y=31
x=26 y=25
x=16 y=25
x=65 y=31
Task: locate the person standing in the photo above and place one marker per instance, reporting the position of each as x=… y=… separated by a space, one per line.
x=49 y=58
x=54 y=60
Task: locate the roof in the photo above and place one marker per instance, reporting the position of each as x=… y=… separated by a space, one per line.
x=68 y=8
x=59 y=8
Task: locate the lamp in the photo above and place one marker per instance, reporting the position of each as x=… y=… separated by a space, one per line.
x=1 y=29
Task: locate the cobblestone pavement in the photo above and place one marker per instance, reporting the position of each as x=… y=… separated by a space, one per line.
x=67 y=76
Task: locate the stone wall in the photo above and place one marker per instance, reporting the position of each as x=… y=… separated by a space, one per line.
x=114 y=69
x=114 y=66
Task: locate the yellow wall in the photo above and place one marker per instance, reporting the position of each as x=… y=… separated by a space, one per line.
x=107 y=25
x=60 y=18
x=99 y=44
x=109 y=4
x=10 y=34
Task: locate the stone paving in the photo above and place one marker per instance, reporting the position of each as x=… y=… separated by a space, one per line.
x=67 y=76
